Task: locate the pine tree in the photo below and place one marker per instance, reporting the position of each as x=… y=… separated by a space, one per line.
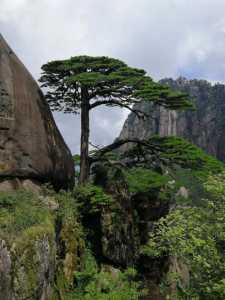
x=83 y=83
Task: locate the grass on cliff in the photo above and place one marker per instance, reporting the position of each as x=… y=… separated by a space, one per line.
x=19 y=211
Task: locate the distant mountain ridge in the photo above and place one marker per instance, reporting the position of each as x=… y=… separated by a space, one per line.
x=204 y=127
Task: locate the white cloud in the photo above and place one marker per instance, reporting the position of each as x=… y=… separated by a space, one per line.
x=10 y=8
x=166 y=37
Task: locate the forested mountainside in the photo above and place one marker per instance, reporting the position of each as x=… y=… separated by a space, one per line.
x=204 y=127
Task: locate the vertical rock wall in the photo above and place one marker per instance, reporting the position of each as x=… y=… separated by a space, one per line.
x=30 y=143
x=204 y=127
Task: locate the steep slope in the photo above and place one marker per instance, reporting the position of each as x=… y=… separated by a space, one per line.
x=31 y=146
x=204 y=127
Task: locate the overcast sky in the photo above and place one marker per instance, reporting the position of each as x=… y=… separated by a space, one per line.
x=168 y=38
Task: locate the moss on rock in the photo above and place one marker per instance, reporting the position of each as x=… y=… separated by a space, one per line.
x=27 y=229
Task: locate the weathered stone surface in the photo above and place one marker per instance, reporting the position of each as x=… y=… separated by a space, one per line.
x=9 y=185
x=5 y=270
x=204 y=127
x=30 y=143
x=28 y=273
x=127 y=229
x=34 y=267
x=41 y=246
x=176 y=266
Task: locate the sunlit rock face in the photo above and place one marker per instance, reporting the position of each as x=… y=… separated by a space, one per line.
x=204 y=126
x=30 y=144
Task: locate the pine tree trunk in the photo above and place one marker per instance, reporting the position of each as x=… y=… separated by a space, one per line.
x=84 y=143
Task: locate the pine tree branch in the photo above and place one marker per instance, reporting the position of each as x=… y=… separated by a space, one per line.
x=119 y=143
x=137 y=112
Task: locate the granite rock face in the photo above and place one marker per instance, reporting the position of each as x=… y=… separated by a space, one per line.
x=27 y=256
x=5 y=269
x=203 y=127
x=41 y=245
x=30 y=144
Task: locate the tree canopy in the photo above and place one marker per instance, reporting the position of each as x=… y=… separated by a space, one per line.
x=108 y=81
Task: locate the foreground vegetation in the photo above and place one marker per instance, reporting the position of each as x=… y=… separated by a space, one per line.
x=95 y=242
x=195 y=236
x=28 y=223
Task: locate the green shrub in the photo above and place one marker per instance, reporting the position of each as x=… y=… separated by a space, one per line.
x=20 y=210
x=93 y=284
x=142 y=180
x=92 y=198
x=196 y=236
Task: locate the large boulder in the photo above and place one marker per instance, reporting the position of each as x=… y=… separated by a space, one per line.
x=31 y=146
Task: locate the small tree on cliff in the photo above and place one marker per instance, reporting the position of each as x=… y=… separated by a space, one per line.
x=83 y=83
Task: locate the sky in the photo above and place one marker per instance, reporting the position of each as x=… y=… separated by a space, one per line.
x=167 y=38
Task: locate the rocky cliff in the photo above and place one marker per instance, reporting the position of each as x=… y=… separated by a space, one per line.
x=204 y=127
x=31 y=146
x=32 y=151
x=40 y=245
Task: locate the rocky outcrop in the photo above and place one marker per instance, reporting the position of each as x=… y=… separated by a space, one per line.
x=30 y=143
x=120 y=232
x=204 y=127
x=27 y=249
x=41 y=245
x=5 y=269
x=126 y=228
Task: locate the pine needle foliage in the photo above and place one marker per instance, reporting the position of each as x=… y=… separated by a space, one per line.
x=107 y=80
x=173 y=152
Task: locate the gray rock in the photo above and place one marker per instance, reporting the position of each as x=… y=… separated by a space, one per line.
x=9 y=185
x=36 y=281
x=5 y=270
x=30 y=144
x=203 y=127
